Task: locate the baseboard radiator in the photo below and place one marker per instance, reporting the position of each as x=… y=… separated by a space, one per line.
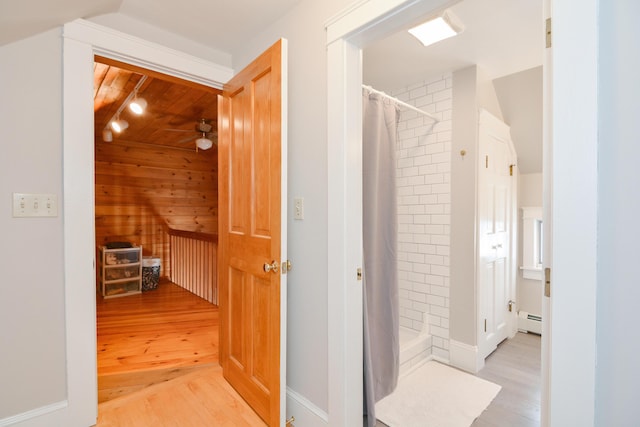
x=528 y=322
x=194 y=263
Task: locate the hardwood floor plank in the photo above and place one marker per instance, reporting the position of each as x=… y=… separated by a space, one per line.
x=158 y=363
x=515 y=365
x=201 y=398
x=153 y=337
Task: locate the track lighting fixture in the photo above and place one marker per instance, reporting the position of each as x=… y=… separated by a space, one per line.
x=138 y=105
x=107 y=135
x=119 y=125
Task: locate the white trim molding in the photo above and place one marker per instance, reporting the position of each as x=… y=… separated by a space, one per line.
x=465 y=356
x=33 y=413
x=136 y=51
x=304 y=411
x=82 y=40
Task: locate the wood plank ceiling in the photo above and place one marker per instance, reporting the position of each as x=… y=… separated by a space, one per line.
x=174 y=106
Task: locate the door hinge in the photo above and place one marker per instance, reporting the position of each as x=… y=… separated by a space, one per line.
x=511 y=170
x=511 y=303
x=359 y=273
x=547 y=282
x=485 y=325
x=286 y=266
x=547 y=26
x=486 y=162
x=290 y=422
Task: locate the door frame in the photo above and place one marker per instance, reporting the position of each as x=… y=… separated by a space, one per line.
x=575 y=47
x=81 y=41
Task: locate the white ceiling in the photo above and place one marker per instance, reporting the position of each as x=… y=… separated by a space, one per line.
x=220 y=24
x=504 y=38
x=501 y=36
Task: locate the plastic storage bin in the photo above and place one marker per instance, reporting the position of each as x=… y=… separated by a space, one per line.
x=150 y=273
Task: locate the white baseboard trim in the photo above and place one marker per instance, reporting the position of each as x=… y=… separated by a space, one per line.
x=305 y=412
x=465 y=356
x=33 y=413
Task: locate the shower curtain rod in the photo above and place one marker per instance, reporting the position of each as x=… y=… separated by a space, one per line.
x=404 y=104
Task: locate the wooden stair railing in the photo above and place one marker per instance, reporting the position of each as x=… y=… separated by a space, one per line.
x=193 y=258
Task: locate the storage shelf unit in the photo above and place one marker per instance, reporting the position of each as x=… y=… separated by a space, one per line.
x=120 y=271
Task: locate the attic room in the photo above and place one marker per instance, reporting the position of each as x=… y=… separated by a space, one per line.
x=156 y=225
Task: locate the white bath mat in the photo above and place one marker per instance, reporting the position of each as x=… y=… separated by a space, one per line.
x=435 y=395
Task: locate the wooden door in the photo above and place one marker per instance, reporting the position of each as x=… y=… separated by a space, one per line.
x=251 y=190
x=496 y=207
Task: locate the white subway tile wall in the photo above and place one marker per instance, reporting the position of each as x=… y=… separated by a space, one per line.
x=424 y=209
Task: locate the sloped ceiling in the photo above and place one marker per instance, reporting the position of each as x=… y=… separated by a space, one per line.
x=24 y=18
x=520 y=98
x=501 y=36
x=219 y=24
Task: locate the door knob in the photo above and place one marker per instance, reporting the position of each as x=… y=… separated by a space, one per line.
x=273 y=267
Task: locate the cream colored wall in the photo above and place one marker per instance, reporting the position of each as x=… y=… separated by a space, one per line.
x=32 y=319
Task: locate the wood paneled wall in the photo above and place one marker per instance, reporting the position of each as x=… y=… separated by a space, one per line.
x=142 y=190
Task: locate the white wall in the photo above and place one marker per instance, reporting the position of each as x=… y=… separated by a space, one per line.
x=32 y=332
x=463 y=206
x=424 y=209
x=472 y=90
x=303 y=26
x=618 y=336
x=528 y=292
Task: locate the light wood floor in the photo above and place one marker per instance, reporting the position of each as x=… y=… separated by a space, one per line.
x=515 y=365
x=158 y=363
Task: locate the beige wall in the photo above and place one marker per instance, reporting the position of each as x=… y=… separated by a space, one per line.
x=32 y=318
x=471 y=90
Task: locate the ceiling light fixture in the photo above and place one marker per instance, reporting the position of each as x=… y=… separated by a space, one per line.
x=138 y=105
x=119 y=125
x=204 y=143
x=115 y=123
x=436 y=29
x=107 y=135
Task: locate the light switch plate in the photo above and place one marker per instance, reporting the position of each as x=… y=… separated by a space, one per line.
x=35 y=205
x=298 y=208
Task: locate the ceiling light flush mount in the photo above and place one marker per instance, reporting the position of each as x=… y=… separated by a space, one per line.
x=437 y=29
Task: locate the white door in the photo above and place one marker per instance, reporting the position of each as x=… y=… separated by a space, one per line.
x=496 y=207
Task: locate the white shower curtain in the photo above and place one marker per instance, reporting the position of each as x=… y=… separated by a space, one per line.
x=380 y=293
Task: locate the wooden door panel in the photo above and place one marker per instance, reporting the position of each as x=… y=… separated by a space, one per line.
x=250 y=139
x=236 y=302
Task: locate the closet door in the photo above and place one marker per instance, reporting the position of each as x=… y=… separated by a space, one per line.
x=496 y=207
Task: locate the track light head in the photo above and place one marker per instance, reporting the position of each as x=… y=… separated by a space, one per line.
x=138 y=105
x=119 y=125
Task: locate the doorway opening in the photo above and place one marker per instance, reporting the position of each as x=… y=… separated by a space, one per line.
x=156 y=207
x=450 y=226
